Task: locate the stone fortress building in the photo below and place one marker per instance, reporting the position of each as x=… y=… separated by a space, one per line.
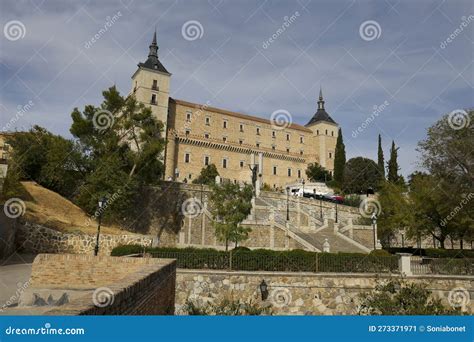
x=199 y=135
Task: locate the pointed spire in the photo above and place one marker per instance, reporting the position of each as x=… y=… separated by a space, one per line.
x=321 y=101
x=153 y=47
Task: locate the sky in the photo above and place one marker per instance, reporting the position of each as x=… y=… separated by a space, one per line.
x=385 y=67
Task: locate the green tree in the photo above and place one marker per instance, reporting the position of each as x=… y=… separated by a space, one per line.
x=208 y=175
x=230 y=206
x=360 y=174
x=317 y=173
x=392 y=165
x=380 y=159
x=398 y=297
x=123 y=142
x=339 y=159
x=50 y=160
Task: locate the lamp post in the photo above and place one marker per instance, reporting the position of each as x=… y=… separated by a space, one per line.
x=287 y=203
x=402 y=233
x=374 y=223
x=264 y=289
x=321 y=205
x=101 y=203
x=303 y=187
x=336 y=210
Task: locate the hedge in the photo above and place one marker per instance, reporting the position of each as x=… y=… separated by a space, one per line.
x=433 y=252
x=268 y=260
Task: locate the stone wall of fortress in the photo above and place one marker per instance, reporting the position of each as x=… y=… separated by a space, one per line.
x=203 y=131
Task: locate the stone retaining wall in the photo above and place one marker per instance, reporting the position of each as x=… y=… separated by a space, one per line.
x=34 y=238
x=299 y=293
x=99 y=285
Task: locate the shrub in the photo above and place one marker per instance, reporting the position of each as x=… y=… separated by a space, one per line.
x=380 y=252
x=226 y=307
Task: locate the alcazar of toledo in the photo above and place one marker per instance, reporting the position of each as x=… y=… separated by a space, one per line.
x=199 y=135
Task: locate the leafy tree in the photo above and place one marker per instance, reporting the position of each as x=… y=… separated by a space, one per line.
x=380 y=159
x=50 y=160
x=208 y=175
x=339 y=159
x=392 y=165
x=399 y=297
x=360 y=174
x=230 y=206
x=317 y=173
x=123 y=143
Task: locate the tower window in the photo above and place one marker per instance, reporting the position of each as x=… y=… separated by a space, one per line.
x=187 y=132
x=287 y=150
x=186 y=157
x=241 y=127
x=224 y=124
x=287 y=137
x=224 y=139
x=154 y=85
x=289 y=172
x=273 y=147
x=301 y=139
x=257 y=144
x=332 y=133
x=224 y=163
x=330 y=155
x=208 y=121
x=188 y=116
x=206 y=160
x=241 y=141
x=153 y=99
x=274 y=170
x=317 y=132
x=241 y=164
x=206 y=135
x=273 y=134
x=258 y=130
x=326 y=132
x=299 y=173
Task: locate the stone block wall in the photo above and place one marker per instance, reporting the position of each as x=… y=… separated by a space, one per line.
x=34 y=238
x=135 y=286
x=300 y=293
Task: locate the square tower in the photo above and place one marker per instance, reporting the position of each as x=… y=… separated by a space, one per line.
x=151 y=85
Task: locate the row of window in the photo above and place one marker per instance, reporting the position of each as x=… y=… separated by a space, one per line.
x=225 y=164
x=225 y=125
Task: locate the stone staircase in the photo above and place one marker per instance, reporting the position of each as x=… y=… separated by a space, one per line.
x=273 y=211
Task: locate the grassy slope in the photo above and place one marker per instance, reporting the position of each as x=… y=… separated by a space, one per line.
x=50 y=209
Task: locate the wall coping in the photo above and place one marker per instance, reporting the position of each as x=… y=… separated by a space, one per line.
x=320 y=274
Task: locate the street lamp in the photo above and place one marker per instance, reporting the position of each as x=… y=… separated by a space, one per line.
x=321 y=206
x=101 y=203
x=287 y=203
x=264 y=289
x=374 y=223
x=402 y=233
x=336 y=210
x=303 y=187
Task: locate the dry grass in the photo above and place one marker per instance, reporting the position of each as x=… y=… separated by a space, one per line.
x=50 y=209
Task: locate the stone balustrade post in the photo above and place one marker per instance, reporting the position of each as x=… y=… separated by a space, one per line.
x=404 y=263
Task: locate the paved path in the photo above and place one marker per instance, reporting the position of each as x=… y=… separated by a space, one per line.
x=14 y=273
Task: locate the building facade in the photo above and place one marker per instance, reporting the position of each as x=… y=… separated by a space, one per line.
x=199 y=135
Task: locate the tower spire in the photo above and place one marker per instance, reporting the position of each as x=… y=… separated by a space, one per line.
x=321 y=101
x=153 y=47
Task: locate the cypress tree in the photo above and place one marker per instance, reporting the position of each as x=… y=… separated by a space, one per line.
x=392 y=165
x=339 y=159
x=380 y=161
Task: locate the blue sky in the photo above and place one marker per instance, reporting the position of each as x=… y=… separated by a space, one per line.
x=408 y=65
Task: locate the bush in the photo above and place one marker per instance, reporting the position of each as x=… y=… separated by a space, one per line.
x=433 y=252
x=269 y=260
x=380 y=252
